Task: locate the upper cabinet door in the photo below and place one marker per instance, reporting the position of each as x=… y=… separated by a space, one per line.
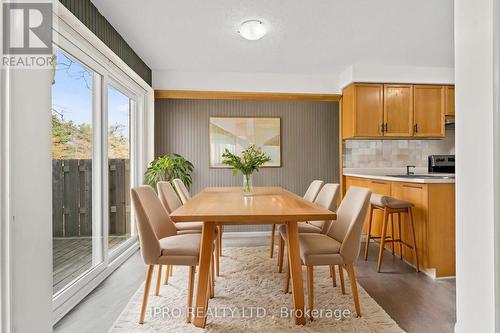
x=429 y=109
x=368 y=110
x=398 y=110
x=450 y=100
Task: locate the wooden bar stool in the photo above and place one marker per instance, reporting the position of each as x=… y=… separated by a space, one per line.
x=390 y=206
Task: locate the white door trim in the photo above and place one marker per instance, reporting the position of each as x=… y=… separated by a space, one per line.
x=5 y=220
x=5 y=204
x=75 y=38
x=496 y=152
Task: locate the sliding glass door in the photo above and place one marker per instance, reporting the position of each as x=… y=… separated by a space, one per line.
x=119 y=133
x=94 y=120
x=73 y=133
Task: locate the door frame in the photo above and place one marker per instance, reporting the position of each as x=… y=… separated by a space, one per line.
x=496 y=154
x=5 y=200
x=73 y=37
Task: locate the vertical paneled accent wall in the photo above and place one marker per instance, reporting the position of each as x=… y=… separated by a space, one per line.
x=309 y=141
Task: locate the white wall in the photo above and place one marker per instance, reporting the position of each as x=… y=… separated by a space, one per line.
x=328 y=83
x=252 y=82
x=396 y=74
x=475 y=165
x=31 y=200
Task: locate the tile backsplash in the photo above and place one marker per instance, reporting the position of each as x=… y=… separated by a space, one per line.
x=395 y=153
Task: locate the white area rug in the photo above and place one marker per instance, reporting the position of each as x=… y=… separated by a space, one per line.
x=249 y=298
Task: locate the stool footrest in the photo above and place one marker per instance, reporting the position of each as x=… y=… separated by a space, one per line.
x=379 y=237
x=390 y=240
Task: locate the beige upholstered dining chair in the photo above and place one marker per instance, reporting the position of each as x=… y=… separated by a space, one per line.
x=310 y=195
x=339 y=246
x=313 y=190
x=182 y=190
x=161 y=244
x=326 y=198
x=185 y=196
x=171 y=202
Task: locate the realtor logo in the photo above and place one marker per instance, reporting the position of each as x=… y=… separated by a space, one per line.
x=27 y=35
x=27 y=28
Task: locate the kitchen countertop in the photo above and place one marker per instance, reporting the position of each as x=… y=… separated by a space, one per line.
x=399 y=175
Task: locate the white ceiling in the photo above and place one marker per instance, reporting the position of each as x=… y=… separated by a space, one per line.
x=306 y=37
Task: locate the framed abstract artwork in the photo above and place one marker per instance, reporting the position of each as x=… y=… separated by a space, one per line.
x=237 y=133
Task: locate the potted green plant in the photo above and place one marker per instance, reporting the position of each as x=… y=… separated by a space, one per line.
x=252 y=158
x=168 y=167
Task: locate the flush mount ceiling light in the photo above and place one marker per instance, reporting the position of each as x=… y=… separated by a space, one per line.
x=252 y=29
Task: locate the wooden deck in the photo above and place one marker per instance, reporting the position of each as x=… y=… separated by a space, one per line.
x=72 y=256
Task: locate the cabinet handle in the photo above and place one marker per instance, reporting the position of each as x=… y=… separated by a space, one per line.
x=382 y=128
x=416 y=128
x=414 y=186
x=386 y=128
x=380 y=183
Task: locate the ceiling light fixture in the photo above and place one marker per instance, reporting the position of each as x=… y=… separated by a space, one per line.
x=252 y=29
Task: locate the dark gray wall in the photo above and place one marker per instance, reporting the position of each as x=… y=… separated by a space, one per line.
x=309 y=140
x=88 y=14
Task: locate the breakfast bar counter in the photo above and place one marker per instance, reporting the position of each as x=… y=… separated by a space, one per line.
x=419 y=175
x=434 y=214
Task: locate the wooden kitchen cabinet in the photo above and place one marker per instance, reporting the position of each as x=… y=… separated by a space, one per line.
x=384 y=188
x=398 y=110
x=428 y=110
x=371 y=110
x=362 y=110
x=434 y=218
x=416 y=194
x=450 y=101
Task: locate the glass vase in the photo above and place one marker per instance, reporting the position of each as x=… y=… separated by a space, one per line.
x=247 y=185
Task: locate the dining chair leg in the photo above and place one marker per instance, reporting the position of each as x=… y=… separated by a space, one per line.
x=341 y=277
x=382 y=241
x=220 y=230
x=354 y=288
x=333 y=275
x=287 y=278
x=158 y=280
x=190 y=294
x=209 y=290
x=167 y=274
x=281 y=253
x=217 y=255
x=210 y=282
x=369 y=234
x=310 y=288
x=271 y=250
x=413 y=238
x=171 y=270
x=147 y=284
x=212 y=277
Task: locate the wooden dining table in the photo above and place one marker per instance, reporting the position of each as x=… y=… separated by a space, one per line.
x=267 y=205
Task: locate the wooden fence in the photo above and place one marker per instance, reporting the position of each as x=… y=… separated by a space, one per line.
x=72 y=197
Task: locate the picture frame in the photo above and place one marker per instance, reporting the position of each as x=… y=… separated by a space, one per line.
x=236 y=133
